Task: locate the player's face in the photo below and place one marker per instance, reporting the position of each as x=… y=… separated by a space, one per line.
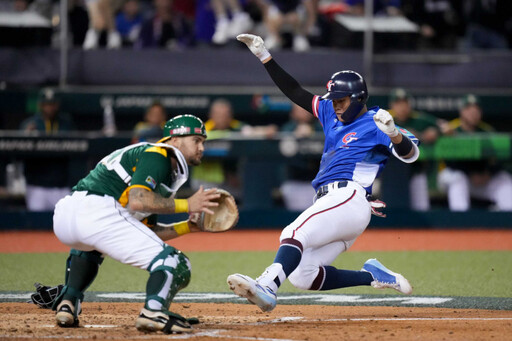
x=192 y=148
x=340 y=106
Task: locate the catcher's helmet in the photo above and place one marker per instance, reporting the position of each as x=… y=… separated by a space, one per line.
x=348 y=83
x=183 y=125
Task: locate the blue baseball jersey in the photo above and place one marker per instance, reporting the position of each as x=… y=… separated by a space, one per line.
x=356 y=151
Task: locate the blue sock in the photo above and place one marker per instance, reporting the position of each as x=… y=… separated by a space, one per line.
x=289 y=255
x=287 y=259
x=331 y=278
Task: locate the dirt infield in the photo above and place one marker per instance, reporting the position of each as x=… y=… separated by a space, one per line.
x=268 y=240
x=228 y=321
x=245 y=322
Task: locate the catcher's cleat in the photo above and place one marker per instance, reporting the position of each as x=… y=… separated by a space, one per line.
x=384 y=278
x=245 y=286
x=65 y=317
x=165 y=321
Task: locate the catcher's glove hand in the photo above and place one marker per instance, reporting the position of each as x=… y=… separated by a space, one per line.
x=224 y=217
x=45 y=296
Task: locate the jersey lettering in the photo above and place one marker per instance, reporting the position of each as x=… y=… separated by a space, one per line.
x=349 y=137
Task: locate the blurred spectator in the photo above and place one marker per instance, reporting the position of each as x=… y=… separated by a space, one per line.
x=380 y=7
x=78 y=21
x=231 y=20
x=151 y=129
x=222 y=124
x=21 y=5
x=297 y=15
x=102 y=18
x=165 y=29
x=439 y=22
x=489 y=24
x=296 y=190
x=424 y=127
x=46 y=177
x=480 y=179
x=219 y=173
x=129 y=22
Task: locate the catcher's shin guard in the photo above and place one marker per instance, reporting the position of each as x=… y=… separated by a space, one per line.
x=169 y=273
x=81 y=270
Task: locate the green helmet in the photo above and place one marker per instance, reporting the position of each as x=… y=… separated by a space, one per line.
x=184 y=125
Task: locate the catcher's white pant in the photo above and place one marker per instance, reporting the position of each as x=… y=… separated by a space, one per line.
x=328 y=228
x=92 y=222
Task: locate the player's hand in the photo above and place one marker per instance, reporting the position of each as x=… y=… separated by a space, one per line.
x=384 y=122
x=255 y=44
x=201 y=200
x=376 y=205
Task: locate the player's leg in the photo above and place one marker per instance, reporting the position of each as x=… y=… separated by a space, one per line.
x=315 y=272
x=169 y=273
x=129 y=241
x=342 y=215
x=81 y=270
x=102 y=224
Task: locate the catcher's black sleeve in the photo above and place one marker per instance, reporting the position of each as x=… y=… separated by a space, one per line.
x=289 y=86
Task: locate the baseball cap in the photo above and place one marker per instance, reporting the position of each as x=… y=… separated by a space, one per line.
x=470 y=99
x=47 y=96
x=399 y=94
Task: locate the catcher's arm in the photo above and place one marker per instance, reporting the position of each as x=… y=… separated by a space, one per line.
x=141 y=199
x=171 y=231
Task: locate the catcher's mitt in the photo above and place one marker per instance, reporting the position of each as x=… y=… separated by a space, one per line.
x=224 y=217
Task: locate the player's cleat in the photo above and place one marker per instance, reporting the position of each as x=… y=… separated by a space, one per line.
x=384 y=278
x=245 y=286
x=165 y=321
x=65 y=317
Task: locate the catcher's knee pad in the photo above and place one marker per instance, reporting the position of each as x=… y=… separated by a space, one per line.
x=169 y=273
x=84 y=266
x=303 y=276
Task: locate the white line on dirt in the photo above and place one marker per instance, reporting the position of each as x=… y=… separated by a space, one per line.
x=210 y=333
x=421 y=319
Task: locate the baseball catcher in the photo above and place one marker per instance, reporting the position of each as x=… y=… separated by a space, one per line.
x=109 y=212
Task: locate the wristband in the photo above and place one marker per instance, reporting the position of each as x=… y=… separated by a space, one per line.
x=263 y=55
x=182 y=228
x=404 y=147
x=180 y=206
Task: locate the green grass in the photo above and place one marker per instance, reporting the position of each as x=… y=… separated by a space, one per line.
x=454 y=273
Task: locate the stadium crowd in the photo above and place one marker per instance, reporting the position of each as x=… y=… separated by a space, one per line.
x=298 y=24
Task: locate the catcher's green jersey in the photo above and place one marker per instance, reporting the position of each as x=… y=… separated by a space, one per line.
x=141 y=165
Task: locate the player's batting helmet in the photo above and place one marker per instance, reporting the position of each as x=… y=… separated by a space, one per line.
x=183 y=125
x=348 y=83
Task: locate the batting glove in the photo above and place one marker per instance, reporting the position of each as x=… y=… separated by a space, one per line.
x=376 y=205
x=384 y=122
x=255 y=44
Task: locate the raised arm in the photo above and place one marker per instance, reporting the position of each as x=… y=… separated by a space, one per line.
x=284 y=81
